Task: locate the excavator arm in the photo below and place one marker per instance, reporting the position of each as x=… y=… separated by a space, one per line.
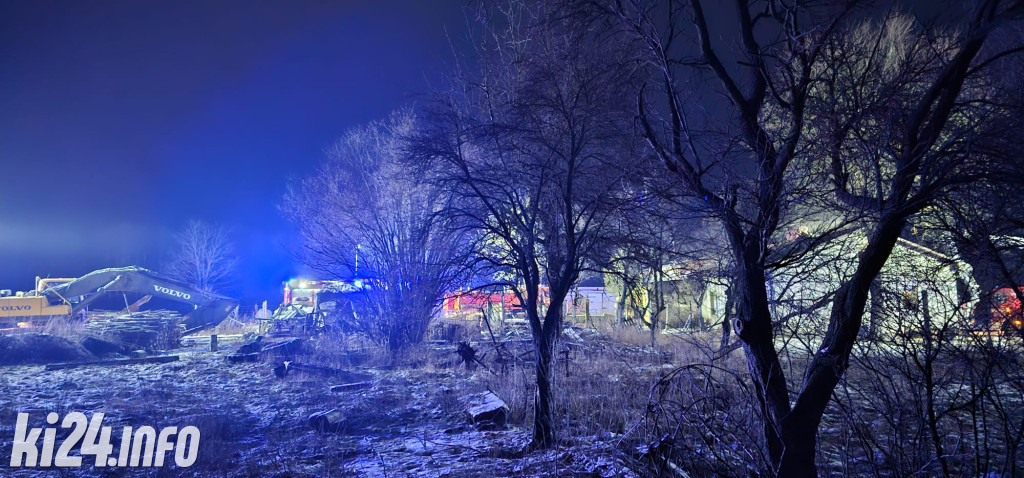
x=210 y=309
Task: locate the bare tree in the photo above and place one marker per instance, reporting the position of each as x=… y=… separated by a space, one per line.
x=205 y=257
x=660 y=247
x=889 y=126
x=535 y=148
x=364 y=214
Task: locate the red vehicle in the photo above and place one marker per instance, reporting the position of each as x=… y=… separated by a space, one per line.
x=1004 y=311
x=465 y=302
x=468 y=302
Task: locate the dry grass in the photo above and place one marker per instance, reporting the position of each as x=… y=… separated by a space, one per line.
x=679 y=404
x=632 y=336
x=67 y=327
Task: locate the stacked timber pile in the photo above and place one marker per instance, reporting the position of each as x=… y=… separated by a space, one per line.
x=136 y=329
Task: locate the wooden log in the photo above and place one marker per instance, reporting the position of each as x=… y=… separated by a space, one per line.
x=128 y=361
x=252 y=346
x=351 y=387
x=284 y=368
x=205 y=339
x=285 y=346
x=239 y=358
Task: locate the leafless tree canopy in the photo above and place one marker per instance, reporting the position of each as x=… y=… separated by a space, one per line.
x=534 y=144
x=368 y=214
x=783 y=151
x=205 y=257
x=822 y=114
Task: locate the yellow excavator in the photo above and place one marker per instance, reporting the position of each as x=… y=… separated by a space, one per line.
x=27 y=308
x=66 y=297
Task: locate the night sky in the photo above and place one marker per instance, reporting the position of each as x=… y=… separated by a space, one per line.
x=122 y=120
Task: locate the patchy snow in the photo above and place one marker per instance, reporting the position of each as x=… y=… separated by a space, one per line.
x=410 y=422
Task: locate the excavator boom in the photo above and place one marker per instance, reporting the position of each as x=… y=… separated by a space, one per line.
x=211 y=309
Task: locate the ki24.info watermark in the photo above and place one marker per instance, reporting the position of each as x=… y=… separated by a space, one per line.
x=147 y=447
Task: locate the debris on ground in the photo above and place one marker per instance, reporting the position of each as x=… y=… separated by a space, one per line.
x=406 y=422
x=101 y=347
x=249 y=351
x=253 y=345
x=284 y=368
x=468 y=354
x=282 y=346
x=23 y=349
x=328 y=421
x=239 y=358
x=135 y=330
x=114 y=362
x=486 y=410
x=204 y=340
x=351 y=387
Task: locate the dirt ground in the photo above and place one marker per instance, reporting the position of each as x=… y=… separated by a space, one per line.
x=622 y=408
x=410 y=422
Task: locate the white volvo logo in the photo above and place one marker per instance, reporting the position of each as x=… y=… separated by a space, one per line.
x=172 y=292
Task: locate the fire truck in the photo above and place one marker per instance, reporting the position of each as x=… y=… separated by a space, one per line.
x=470 y=304
x=309 y=306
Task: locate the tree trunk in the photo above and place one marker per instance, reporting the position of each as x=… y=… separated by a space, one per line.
x=929 y=383
x=543 y=419
x=545 y=339
x=764 y=366
x=801 y=441
x=658 y=305
x=799 y=427
x=876 y=311
x=727 y=316
x=620 y=306
x=754 y=327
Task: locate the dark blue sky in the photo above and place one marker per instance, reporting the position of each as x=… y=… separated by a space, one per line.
x=121 y=120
